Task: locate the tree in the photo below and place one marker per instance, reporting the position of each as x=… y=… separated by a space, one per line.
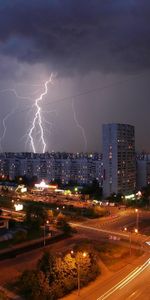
x=46 y=265
x=146 y=194
x=63 y=225
x=28 y=284
x=55 y=276
x=60 y=219
x=50 y=215
x=66 y=228
x=94 y=190
x=35 y=215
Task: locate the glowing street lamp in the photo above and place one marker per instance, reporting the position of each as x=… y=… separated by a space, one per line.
x=130 y=238
x=137 y=218
x=47 y=222
x=84 y=254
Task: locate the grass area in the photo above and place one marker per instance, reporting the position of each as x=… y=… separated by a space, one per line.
x=111 y=254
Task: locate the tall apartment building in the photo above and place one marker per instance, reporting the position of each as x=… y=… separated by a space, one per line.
x=118 y=159
x=143 y=171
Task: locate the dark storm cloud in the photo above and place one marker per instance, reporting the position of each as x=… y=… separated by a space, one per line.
x=77 y=35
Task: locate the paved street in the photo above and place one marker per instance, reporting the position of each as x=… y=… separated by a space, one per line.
x=130 y=283
x=136 y=285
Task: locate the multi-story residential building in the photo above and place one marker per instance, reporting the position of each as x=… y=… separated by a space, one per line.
x=63 y=167
x=118 y=159
x=143 y=171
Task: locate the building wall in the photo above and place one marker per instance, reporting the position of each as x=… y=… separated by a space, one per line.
x=118 y=159
x=63 y=167
x=143 y=171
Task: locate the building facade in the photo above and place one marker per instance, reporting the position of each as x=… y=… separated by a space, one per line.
x=80 y=168
x=118 y=159
x=143 y=171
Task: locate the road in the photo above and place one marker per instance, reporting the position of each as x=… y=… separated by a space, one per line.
x=130 y=283
x=136 y=285
x=114 y=235
x=118 y=221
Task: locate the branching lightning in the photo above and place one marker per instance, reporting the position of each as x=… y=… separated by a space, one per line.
x=79 y=126
x=9 y=114
x=5 y=126
x=16 y=94
x=37 y=123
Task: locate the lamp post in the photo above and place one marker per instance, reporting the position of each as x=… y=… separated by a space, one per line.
x=137 y=218
x=130 y=239
x=44 y=241
x=44 y=235
x=84 y=254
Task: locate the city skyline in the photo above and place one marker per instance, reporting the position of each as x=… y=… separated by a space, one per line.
x=97 y=54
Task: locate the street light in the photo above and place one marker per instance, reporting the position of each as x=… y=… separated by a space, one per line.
x=130 y=238
x=84 y=254
x=47 y=222
x=137 y=218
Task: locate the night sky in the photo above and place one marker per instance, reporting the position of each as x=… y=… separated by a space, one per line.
x=99 y=54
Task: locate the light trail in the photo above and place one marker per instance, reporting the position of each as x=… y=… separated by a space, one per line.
x=100 y=230
x=79 y=126
x=136 y=272
x=37 y=120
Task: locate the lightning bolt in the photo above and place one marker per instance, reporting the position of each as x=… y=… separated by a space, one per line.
x=37 y=120
x=5 y=126
x=79 y=126
x=16 y=94
x=13 y=111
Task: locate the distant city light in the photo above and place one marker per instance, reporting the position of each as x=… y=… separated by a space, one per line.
x=42 y=185
x=139 y=194
x=23 y=190
x=18 y=207
x=132 y=196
